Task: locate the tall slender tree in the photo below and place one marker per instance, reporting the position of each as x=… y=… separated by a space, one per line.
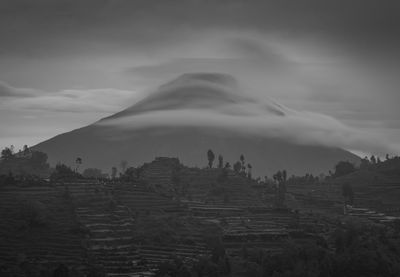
x=249 y=167
x=113 y=172
x=78 y=162
x=280 y=180
x=243 y=163
x=123 y=164
x=211 y=158
x=220 y=161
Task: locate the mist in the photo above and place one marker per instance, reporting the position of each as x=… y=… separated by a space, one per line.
x=219 y=101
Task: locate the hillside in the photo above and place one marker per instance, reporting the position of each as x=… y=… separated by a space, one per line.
x=170 y=217
x=376 y=186
x=133 y=228
x=188 y=116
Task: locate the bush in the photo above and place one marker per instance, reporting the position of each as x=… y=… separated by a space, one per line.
x=33 y=213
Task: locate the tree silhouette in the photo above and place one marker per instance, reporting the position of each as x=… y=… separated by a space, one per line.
x=227 y=165
x=211 y=158
x=343 y=168
x=364 y=164
x=242 y=161
x=6 y=153
x=113 y=172
x=26 y=150
x=348 y=194
x=92 y=173
x=63 y=172
x=284 y=175
x=280 y=180
x=237 y=167
x=249 y=167
x=220 y=161
x=123 y=165
x=78 y=162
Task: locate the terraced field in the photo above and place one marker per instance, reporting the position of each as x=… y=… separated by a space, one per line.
x=131 y=228
x=38 y=226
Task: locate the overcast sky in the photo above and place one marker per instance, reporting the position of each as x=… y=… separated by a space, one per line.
x=65 y=64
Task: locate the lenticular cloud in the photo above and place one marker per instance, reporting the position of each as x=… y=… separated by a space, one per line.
x=219 y=101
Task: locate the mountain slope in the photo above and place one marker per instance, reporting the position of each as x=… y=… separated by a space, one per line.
x=190 y=115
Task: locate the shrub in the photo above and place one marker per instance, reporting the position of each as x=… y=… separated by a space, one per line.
x=33 y=213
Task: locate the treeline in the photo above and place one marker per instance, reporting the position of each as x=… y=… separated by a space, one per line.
x=24 y=162
x=239 y=166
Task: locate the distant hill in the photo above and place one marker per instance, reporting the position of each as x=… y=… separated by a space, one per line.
x=184 y=119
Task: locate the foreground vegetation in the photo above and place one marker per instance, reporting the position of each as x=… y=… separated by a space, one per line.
x=221 y=211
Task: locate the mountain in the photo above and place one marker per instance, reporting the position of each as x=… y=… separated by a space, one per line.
x=191 y=114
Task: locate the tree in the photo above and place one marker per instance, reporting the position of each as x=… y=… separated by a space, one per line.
x=38 y=160
x=130 y=174
x=26 y=150
x=6 y=153
x=348 y=194
x=364 y=163
x=63 y=172
x=220 y=161
x=227 y=165
x=211 y=158
x=373 y=159
x=176 y=180
x=123 y=164
x=280 y=180
x=113 y=172
x=343 y=168
x=284 y=175
x=34 y=213
x=92 y=173
x=237 y=167
x=278 y=177
x=78 y=162
x=242 y=161
x=249 y=167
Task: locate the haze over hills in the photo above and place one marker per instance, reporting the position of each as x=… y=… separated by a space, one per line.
x=196 y=112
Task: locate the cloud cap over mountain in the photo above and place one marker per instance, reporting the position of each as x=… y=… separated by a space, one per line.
x=219 y=101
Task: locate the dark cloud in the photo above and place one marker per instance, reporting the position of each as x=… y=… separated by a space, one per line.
x=361 y=23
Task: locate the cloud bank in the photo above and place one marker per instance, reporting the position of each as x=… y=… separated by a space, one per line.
x=218 y=101
x=29 y=115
